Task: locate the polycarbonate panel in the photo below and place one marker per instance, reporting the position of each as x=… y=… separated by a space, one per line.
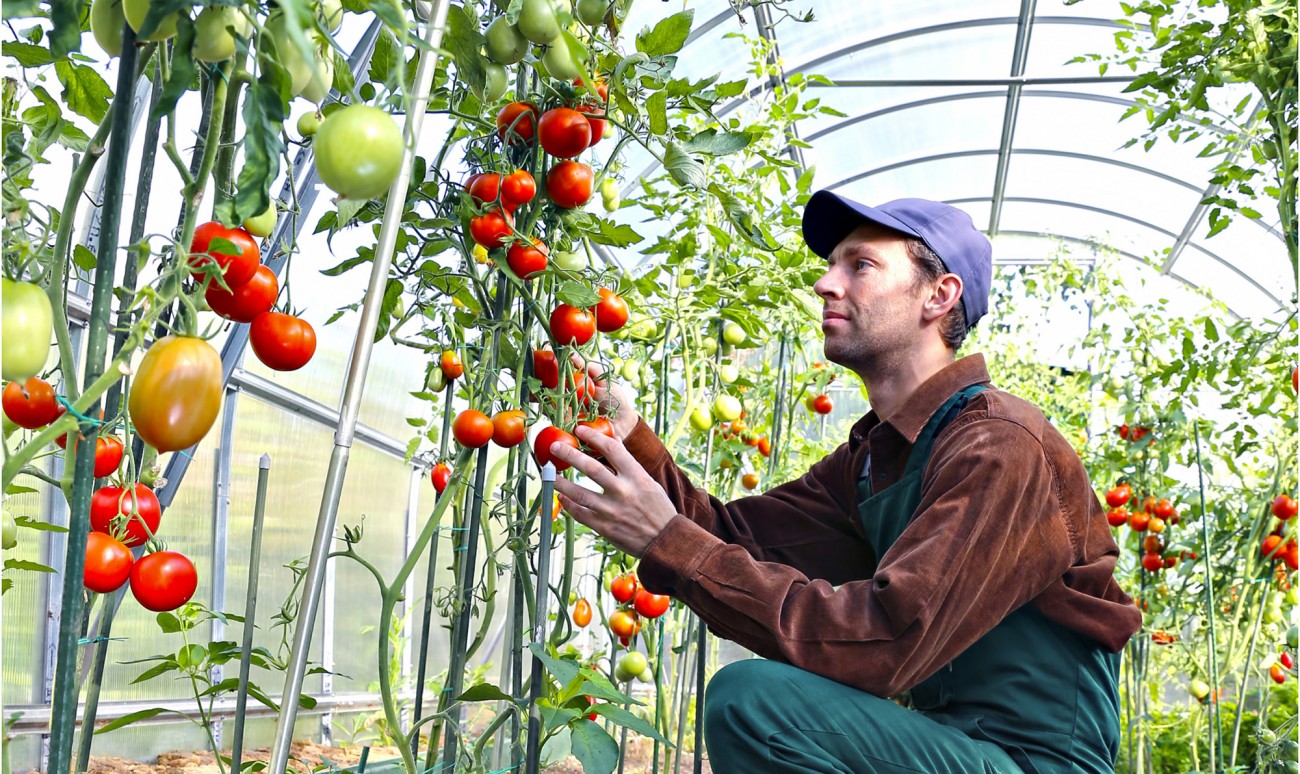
x=24 y=604
x=1134 y=193
x=1083 y=224
x=716 y=50
x=856 y=101
x=889 y=139
x=951 y=178
x=1249 y=247
x=970 y=52
x=1225 y=285
x=1053 y=45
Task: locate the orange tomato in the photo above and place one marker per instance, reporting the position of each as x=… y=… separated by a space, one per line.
x=581 y=613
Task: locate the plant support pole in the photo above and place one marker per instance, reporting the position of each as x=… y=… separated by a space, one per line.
x=250 y=611
x=538 y=677
x=352 y=391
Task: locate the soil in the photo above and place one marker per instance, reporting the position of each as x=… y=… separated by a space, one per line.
x=304 y=756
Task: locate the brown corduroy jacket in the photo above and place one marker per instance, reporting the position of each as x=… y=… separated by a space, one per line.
x=1007 y=517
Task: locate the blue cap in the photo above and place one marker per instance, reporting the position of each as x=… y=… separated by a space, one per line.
x=948 y=231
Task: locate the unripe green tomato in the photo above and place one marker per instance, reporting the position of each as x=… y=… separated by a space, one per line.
x=592 y=11
x=647 y=675
x=1273 y=614
x=570 y=260
x=643 y=329
x=308 y=123
x=504 y=43
x=436 y=380
x=631 y=370
x=537 y=22
x=709 y=346
x=573 y=597
x=609 y=187
x=701 y=418
x=137 y=10
x=611 y=203
x=1266 y=735
x=330 y=14
x=1293 y=637
x=620 y=674
x=733 y=334
x=559 y=61
x=1199 y=689
x=106 y=25
x=633 y=663
x=28 y=327
x=322 y=79
x=213 y=41
x=262 y=225
x=1292 y=597
x=726 y=407
x=728 y=373
x=10 y=536
x=494 y=85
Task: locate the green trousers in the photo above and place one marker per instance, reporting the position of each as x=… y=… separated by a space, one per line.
x=769 y=717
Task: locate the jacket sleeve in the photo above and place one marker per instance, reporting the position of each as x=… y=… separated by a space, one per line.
x=989 y=535
x=809 y=524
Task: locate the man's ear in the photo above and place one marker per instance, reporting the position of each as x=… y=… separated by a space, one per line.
x=944 y=295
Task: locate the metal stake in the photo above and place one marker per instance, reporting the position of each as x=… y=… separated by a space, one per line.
x=250 y=613
x=538 y=676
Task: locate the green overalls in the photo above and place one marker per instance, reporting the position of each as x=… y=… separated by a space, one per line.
x=1028 y=696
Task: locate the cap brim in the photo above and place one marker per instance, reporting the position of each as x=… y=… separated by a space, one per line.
x=829 y=218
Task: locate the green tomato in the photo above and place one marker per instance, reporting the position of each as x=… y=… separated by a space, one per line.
x=710 y=346
x=733 y=334
x=728 y=373
x=1292 y=597
x=10 y=536
x=701 y=418
x=28 y=326
x=1199 y=689
x=685 y=280
x=495 y=83
x=504 y=43
x=592 y=12
x=643 y=329
x=560 y=60
x=1266 y=735
x=537 y=21
x=137 y=10
x=1273 y=614
x=213 y=41
x=647 y=675
x=436 y=381
x=330 y=14
x=308 y=123
x=1293 y=637
x=631 y=370
x=620 y=675
x=570 y=260
x=611 y=203
x=633 y=663
x=609 y=187
x=262 y=225
x=318 y=88
x=359 y=152
x=726 y=407
x=106 y=19
x=307 y=78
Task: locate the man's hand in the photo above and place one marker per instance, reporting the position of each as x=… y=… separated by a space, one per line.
x=631 y=510
x=612 y=397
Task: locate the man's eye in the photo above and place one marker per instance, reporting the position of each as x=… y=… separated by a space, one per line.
x=862 y=264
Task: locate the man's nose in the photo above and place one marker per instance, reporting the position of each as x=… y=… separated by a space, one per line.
x=829 y=285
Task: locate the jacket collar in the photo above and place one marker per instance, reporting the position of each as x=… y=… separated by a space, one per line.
x=910 y=418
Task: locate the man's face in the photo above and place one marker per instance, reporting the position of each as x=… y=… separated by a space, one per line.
x=871 y=304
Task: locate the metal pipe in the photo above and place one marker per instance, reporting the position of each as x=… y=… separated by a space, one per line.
x=701 y=661
x=537 y=679
x=356 y=381
x=250 y=612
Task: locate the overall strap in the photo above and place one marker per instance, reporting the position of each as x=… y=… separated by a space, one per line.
x=919 y=457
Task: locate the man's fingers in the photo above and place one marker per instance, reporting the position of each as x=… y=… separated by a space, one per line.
x=611 y=449
x=581 y=513
x=604 y=477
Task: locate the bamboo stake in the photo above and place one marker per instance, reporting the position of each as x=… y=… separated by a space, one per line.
x=250 y=611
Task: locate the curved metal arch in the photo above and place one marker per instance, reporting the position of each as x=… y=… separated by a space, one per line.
x=1131 y=219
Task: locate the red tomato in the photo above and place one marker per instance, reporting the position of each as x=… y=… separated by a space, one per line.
x=571 y=325
x=569 y=184
x=591 y=715
x=542 y=446
x=452 y=368
x=1284 y=507
x=440 y=476
x=1164 y=509
x=108 y=563
x=518 y=187
x=623 y=623
x=583 y=387
x=1151 y=544
x=611 y=312
x=521 y=115
x=236 y=268
x=764 y=447
x=163 y=581
x=581 y=613
x=245 y=302
x=1285 y=660
x=30 y=404
x=509 y=428
x=597 y=124
x=1139 y=521
x=602 y=88
x=1270 y=543
x=1117 y=517
x=111 y=502
x=1295 y=378
x=651 y=605
x=623 y=588
x=485 y=187
x=822 y=404
x=601 y=425
x=1152 y=562
x=1148 y=504
x=1277 y=673
x=491 y=229
x=472 y=428
x=108 y=455
x=563 y=132
x=527 y=261
x=546 y=367
x=1291 y=555
x=281 y=341
x=1119 y=495
x=749 y=481
x=1123 y=431
x=1170 y=561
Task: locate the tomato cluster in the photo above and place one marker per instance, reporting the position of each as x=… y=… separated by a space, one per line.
x=1152 y=517
x=121 y=518
x=1280 y=544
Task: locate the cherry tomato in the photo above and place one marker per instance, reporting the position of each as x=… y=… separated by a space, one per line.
x=491 y=229
x=452 y=368
x=1277 y=673
x=1156 y=524
x=581 y=613
x=571 y=325
x=108 y=455
x=623 y=623
x=485 y=187
x=163 y=581
x=440 y=476
x=601 y=425
x=1284 y=507
x=1119 y=495
x=1270 y=543
x=472 y=428
x=1151 y=544
x=281 y=341
x=1139 y=521
x=509 y=428
x=611 y=312
x=139 y=505
x=569 y=184
x=176 y=393
x=546 y=367
x=623 y=588
x=1291 y=555
x=542 y=446
x=1170 y=561
x=591 y=715
x=1117 y=517
x=764 y=446
x=822 y=404
x=237 y=268
x=527 y=261
x=1285 y=660
x=244 y=303
x=108 y=563
x=1152 y=562
x=650 y=605
x=518 y=187
x=1164 y=509
x=563 y=132
x=749 y=481
x=1148 y=504
x=521 y=115
x=30 y=404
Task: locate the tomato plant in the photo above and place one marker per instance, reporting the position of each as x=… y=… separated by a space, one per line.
x=163 y=580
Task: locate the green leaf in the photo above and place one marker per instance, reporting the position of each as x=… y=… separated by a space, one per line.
x=265 y=112
x=579 y=295
x=182 y=73
x=608 y=232
x=668 y=36
x=343 y=80
x=24 y=564
x=598 y=686
x=684 y=169
x=158 y=11
x=22 y=8
x=17 y=489
x=65 y=37
x=348 y=209
x=656 y=109
x=595 y=750
x=633 y=723
x=485 y=692
x=562 y=669
x=27 y=54
x=29 y=523
x=84 y=91
x=463 y=40
x=156 y=670
x=554 y=717
x=387 y=55
x=127 y=720
x=345 y=266
x=169 y=623
x=83 y=258
x=715 y=144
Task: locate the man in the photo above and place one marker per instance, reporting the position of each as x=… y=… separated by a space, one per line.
x=952 y=549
